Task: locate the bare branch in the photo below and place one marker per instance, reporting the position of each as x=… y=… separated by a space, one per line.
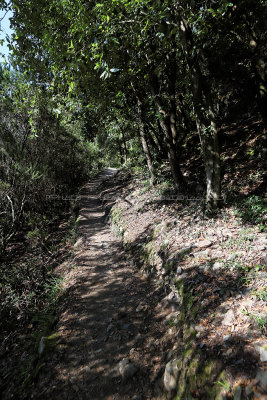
x=1 y=19
x=12 y=208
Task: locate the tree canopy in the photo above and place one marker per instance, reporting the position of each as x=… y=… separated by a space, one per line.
x=142 y=74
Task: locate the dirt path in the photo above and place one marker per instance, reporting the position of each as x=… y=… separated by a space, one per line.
x=99 y=325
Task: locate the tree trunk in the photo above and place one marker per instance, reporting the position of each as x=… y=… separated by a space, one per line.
x=159 y=138
x=258 y=67
x=151 y=140
x=121 y=152
x=210 y=149
x=168 y=127
x=141 y=124
x=205 y=119
x=125 y=151
x=146 y=151
x=161 y=153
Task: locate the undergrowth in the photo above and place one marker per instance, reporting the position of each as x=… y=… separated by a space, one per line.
x=30 y=294
x=253 y=210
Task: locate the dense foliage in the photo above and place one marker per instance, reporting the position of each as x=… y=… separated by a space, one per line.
x=44 y=151
x=171 y=67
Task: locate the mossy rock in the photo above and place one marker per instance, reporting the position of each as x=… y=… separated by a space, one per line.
x=189 y=334
x=156 y=230
x=48 y=343
x=193 y=365
x=196 y=376
x=189 y=351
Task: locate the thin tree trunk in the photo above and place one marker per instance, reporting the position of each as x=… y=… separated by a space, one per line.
x=206 y=123
x=121 y=152
x=141 y=124
x=151 y=139
x=169 y=131
x=124 y=146
x=123 y=149
x=146 y=151
x=258 y=67
x=210 y=149
x=159 y=138
x=171 y=75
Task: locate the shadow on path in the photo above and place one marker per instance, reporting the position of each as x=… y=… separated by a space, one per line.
x=98 y=324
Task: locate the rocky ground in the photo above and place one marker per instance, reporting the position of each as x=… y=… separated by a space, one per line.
x=219 y=264
x=159 y=302
x=110 y=342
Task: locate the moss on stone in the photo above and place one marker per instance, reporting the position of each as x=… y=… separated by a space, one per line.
x=193 y=366
x=189 y=334
x=194 y=312
x=181 y=385
x=188 y=353
x=180 y=287
x=149 y=253
x=53 y=337
x=208 y=369
x=156 y=230
x=194 y=371
x=220 y=387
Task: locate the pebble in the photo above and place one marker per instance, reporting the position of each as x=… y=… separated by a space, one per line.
x=231 y=256
x=164 y=272
x=261 y=348
x=202 y=254
x=227 y=337
x=170 y=355
x=228 y=352
x=110 y=327
x=170 y=318
x=203 y=243
x=228 y=318
x=171 y=375
x=217 y=266
x=41 y=346
x=78 y=243
x=199 y=328
x=218 y=254
x=137 y=397
x=140 y=307
x=183 y=276
x=226 y=232
x=179 y=270
x=126 y=368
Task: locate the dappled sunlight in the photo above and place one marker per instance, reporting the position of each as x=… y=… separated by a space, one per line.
x=98 y=323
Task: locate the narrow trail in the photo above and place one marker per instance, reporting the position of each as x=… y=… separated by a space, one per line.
x=99 y=325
